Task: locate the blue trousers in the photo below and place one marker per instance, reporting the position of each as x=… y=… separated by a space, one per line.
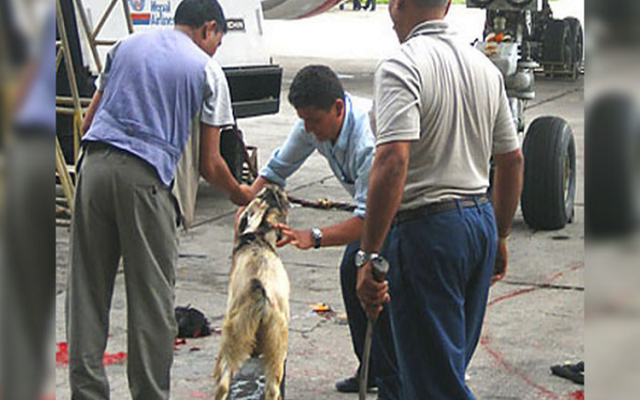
x=441 y=268
x=383 y=367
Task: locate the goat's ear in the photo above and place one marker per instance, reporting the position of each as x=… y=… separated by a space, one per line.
x=252 y=218
x=242 y=225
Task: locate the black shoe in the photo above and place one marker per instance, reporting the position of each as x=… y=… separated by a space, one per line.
x=351 y=385
x=573 y=372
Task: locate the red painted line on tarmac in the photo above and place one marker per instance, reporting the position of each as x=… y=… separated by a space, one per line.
x=511 y=295
x=116 y=358
x=62 y=356
x=560 y=274
x=579 y=395
x=499 y=357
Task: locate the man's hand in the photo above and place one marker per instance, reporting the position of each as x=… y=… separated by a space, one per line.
x=372 y=294
x=243 y=196
x=300 y=239
x=502 y=261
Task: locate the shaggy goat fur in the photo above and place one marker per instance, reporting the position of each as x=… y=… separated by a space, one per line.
x=257 y=318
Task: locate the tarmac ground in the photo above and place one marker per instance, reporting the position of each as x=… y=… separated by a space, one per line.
x=535 y=317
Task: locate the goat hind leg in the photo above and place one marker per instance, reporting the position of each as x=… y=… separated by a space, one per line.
x=231 y=356
x=223 y=374
x=275 y=353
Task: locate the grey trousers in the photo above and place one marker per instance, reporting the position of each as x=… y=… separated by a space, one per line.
x=121 y=210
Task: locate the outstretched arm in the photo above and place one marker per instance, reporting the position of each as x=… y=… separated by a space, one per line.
x=215 y=170
x=339 y=234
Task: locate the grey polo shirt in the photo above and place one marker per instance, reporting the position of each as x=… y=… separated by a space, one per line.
x=449 y=101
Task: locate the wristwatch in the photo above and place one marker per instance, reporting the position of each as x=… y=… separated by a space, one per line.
x=316 y=235
x=379 y=263
x=363 y=257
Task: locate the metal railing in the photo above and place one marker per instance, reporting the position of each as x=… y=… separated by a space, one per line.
x=76 y=105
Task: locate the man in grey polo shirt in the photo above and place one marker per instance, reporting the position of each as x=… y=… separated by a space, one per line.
x=441 y=114
x=156 y=87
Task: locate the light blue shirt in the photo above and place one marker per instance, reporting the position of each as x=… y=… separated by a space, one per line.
x=350 y=158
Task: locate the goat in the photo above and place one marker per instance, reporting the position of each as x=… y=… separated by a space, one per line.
x=257 y=317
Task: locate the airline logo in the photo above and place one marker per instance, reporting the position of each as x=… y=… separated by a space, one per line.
x=155 y=12
x=141 y=18
x=137 y=5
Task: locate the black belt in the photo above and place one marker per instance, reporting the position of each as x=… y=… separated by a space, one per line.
x=439 y=207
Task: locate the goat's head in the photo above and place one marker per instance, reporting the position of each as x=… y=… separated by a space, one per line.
x=269 y=207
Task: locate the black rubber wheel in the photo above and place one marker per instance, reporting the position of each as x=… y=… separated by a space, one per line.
x=557 y=42
x=232 y=151
x=549 y=174
x=577 y=44
x=612 y=170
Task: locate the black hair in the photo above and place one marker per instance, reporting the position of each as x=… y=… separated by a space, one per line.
x=315 y=85
x=195 y=13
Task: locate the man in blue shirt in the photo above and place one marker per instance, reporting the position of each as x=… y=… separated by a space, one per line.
x=332 y=123
x=155 y=88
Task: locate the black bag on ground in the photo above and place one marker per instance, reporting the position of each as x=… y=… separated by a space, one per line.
x=191 y=323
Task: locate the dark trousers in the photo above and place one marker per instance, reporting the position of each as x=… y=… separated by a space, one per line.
x=383 y=367
x=27 y=265
x=370 y=3
x=441 y=267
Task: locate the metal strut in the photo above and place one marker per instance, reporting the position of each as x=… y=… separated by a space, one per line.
x=75 y=105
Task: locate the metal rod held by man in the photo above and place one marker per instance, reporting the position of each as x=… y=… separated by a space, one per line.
x=379 y=270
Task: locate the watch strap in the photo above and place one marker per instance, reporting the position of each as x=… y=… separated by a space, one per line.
x=316 y=234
